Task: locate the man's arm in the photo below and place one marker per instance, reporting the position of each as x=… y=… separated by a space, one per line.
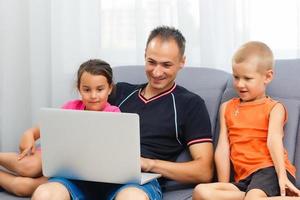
x=199 y=170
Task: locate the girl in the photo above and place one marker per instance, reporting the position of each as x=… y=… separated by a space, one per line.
x=24 y=175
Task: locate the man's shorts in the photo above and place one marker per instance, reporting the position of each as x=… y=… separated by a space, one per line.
x=84 y=190
x=264 y=179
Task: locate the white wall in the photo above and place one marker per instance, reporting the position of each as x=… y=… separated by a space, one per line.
x=24 y=60
x=14 y=58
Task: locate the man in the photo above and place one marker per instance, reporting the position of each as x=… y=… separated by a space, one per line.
x=171 y=119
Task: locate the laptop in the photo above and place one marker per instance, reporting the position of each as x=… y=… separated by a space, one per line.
x=92 y=146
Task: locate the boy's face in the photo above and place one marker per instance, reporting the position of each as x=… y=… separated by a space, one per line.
x=163 y=61
x=249 y=82
x=94 y=91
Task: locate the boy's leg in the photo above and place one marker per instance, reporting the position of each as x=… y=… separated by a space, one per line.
x=264 y=186
x=257 y=194
x=220 y=191
x=29 y=166
x=20 y=186
x=148 y=191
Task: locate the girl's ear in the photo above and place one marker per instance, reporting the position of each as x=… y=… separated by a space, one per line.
x=269 y=76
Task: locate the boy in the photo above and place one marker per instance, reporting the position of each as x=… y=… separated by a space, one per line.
x=251 y=132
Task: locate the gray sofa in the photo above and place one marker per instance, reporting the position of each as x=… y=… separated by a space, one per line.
x=215 y=86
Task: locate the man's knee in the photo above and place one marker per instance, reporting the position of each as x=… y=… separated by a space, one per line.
x=202 y=192
x=51 y=191
x=131 y=193
x=42 y=193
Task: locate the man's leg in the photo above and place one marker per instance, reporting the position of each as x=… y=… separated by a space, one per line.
x=132 y=193
x=220 y=191
x=51 y=191
x=148 y=191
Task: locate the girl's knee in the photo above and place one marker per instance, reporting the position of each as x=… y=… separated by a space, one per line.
x=30 y=168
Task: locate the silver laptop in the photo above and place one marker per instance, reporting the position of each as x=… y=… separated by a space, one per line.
x=92 y=146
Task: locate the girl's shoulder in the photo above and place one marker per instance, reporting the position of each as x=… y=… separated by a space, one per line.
x=74 y=105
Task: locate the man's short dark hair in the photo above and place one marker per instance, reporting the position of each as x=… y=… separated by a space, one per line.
x=167 y=33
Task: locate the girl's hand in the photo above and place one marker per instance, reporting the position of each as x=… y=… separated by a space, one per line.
x=287 y=188
x=27 y=144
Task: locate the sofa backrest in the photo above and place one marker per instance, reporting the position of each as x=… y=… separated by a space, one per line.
x=285 y=87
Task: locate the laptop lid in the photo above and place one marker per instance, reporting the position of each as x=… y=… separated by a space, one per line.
x=91 y=146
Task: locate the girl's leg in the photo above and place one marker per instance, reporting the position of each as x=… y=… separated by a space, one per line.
x=29 y=166
x=220 y=191
x=20 y=186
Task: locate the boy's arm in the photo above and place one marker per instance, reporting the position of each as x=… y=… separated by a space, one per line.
x=275 y=146
x=222 y=150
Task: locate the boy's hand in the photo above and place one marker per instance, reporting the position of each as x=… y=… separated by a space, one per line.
x=287 y=188
x=27 y=145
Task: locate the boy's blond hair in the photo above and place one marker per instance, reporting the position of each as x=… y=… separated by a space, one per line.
x=255 y=51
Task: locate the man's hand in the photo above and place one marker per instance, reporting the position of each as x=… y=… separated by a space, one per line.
x=147 y=164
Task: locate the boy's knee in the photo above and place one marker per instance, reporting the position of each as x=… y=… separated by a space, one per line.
x=202 y=192
x=132 y=193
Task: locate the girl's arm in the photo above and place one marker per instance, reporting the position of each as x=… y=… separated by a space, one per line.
x=222 y=151
x=27 y=143
x=275 y=146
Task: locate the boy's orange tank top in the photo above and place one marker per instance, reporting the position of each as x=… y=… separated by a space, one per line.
x=247 y=125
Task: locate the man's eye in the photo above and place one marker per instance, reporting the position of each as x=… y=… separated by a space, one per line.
x=151 y=62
